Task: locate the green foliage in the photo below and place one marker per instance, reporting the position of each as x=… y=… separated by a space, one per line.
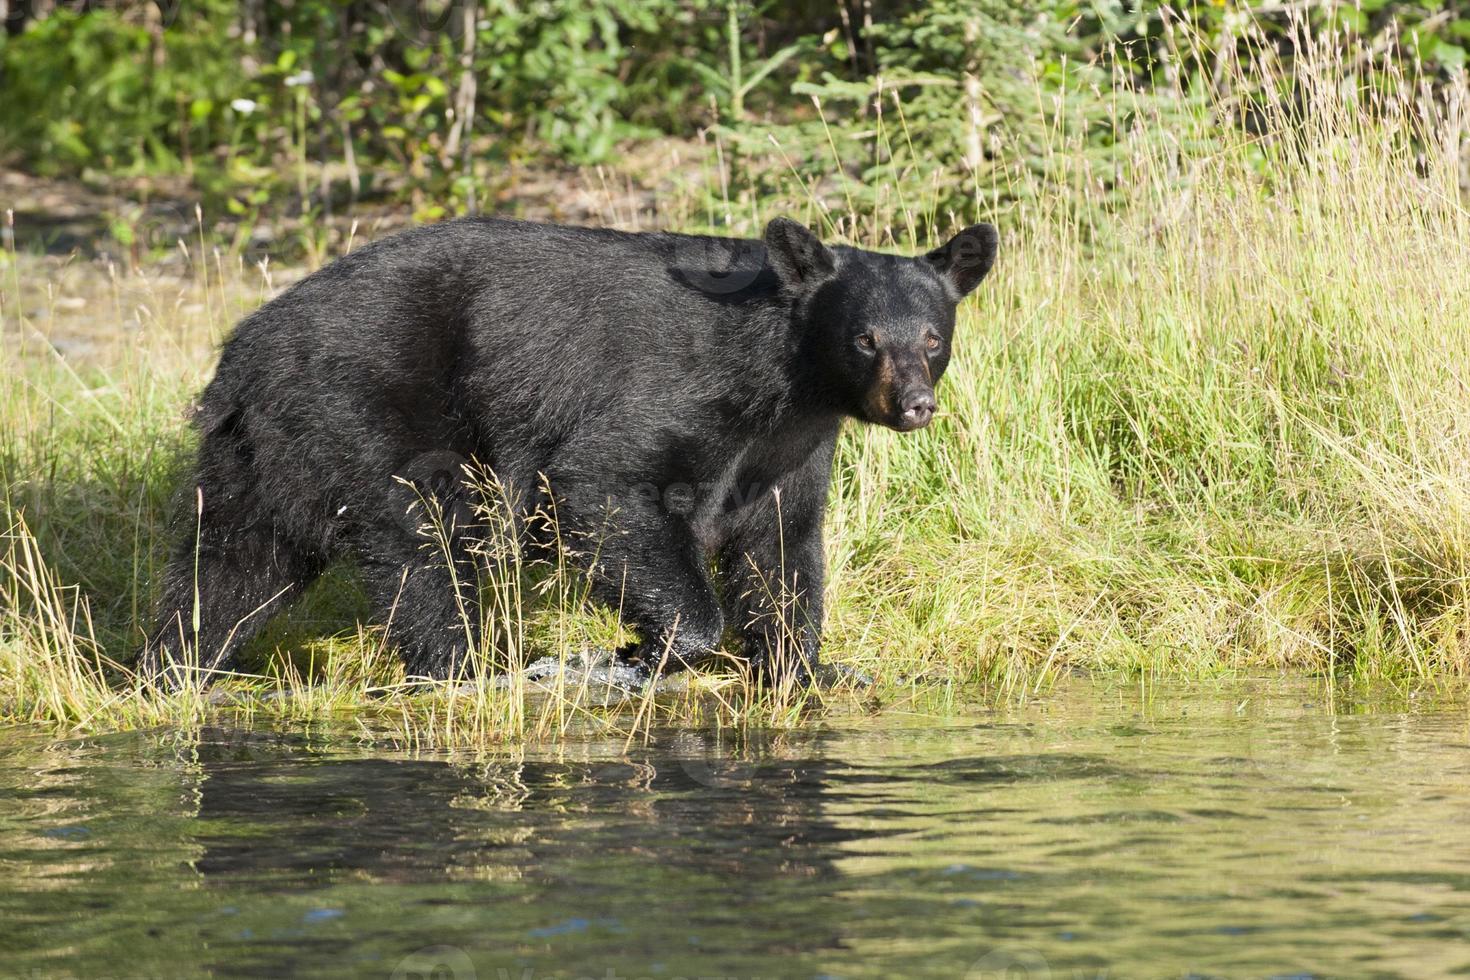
x=551 y=71
x=729 y=84
x=320 y=102
x=113 y=88
x=951 y=101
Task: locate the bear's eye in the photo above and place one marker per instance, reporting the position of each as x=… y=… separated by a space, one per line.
x=866 y=342
x=931 y=342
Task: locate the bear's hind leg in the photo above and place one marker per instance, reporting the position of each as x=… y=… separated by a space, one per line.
x=237 y=579
x=429 y=600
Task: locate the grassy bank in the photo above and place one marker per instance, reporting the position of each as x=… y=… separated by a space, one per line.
x=1209 y=414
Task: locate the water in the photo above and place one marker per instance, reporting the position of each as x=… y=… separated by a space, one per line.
x=1249 y=830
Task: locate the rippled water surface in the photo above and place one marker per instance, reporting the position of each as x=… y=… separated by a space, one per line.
x=1246 y=830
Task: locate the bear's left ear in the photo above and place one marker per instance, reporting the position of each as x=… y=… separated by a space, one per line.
x=800 y=259
x=965 y=259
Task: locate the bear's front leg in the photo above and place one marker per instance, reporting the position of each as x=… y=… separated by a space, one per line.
x=645 y=564
x=773 y=567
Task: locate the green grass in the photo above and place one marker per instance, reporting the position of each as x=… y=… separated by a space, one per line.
x=1208 y=415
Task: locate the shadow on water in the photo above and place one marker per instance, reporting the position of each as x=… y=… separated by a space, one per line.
x=1238 y=832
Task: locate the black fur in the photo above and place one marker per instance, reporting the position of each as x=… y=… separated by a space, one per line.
x=679 y=396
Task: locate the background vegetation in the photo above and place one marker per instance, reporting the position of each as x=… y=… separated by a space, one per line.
x=1209 y=414
x=317 y=105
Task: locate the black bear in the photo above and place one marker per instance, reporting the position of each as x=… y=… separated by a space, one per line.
x=677 y=398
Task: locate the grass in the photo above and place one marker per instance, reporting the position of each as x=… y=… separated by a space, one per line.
x=1208 y=415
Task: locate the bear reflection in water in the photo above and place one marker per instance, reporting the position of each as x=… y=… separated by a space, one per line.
x=753 y=814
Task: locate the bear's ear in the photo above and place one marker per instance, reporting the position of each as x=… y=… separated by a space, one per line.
x=800 y=259
x=966 y=258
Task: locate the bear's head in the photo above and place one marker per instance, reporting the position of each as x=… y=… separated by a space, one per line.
x=878 y=327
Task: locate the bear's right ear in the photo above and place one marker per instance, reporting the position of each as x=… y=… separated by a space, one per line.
x=800 y=259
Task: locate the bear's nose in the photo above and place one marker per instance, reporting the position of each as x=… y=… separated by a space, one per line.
x=917 y=408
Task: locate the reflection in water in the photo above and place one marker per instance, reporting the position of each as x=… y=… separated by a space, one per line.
x=1240 y=832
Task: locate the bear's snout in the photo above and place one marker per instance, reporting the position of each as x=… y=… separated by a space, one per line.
x=916 y=407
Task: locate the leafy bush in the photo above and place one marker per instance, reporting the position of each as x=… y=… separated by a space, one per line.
x=962 y=102
x=116 y=87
